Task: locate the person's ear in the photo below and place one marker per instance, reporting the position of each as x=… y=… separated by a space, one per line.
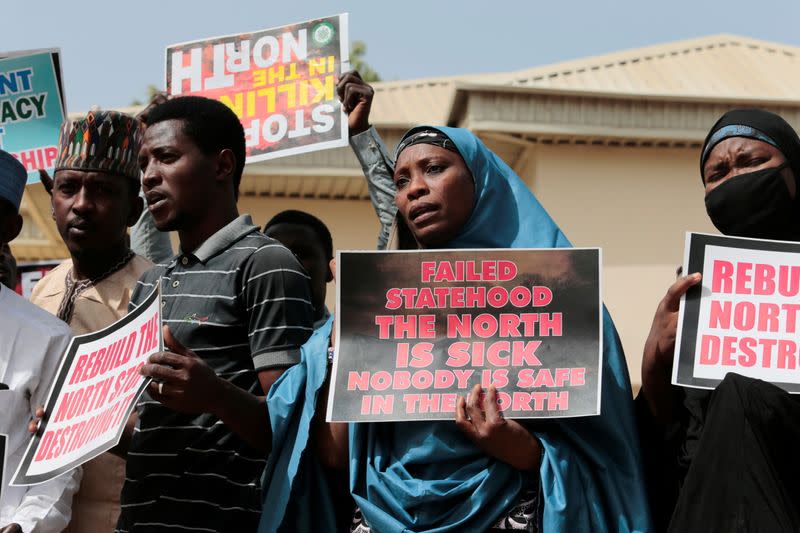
x=135 y=208
x=47 y=181
x=10 y=226
x=226 y=165
x=330 y=274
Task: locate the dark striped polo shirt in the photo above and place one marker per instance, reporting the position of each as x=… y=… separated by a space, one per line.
x=242 y=302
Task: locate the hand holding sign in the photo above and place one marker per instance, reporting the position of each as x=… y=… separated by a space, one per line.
x=659 y=348
x=744 y=317
x=480 y=418
x=33 y=425
x=183 y=381
x=356 y=97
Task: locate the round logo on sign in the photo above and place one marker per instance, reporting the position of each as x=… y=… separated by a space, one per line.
x=323 y=33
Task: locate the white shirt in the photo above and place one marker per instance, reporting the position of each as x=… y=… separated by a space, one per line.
x=32 y=342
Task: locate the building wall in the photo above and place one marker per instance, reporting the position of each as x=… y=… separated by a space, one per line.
x=636 y=203
x=353 y=223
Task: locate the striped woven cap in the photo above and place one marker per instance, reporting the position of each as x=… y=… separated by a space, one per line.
x=103 y=141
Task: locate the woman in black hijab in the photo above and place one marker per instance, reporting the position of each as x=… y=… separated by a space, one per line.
x=726 y=460
x=750 y=166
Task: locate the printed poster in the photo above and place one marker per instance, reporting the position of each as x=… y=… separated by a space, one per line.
x=95 y=391
x=30 y=272
x=3 y=450
x=31 y=108
x=744 y=315
x=280 y=82
x=418 y=329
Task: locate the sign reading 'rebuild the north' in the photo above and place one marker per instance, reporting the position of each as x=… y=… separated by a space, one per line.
x=744 y=316
x=95 y=390
x=280 y=82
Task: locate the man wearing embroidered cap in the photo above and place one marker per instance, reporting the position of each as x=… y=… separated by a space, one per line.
x=31 y=345
x=95 y=200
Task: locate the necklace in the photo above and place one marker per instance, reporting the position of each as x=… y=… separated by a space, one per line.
x=74 y=288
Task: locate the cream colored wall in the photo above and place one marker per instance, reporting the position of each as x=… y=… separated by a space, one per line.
x=635 y=203
x=353 y=223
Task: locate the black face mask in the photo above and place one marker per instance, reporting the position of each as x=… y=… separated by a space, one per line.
x=756 y=205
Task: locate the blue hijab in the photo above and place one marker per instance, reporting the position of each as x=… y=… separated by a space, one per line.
x=294 y=481
x=427 y=476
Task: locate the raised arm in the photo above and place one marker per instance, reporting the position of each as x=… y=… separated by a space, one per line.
x=376 y=163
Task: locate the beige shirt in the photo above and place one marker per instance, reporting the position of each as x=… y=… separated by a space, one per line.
x=95 y=508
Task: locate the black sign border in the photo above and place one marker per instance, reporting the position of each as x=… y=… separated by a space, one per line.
x=690 y=306
x=3 y=456
x=334 y=398
x=21 y=478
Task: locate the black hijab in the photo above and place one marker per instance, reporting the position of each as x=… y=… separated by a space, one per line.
x=755 y=124
x=759 y=206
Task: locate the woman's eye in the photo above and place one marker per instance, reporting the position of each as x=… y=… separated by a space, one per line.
x=434 y=169
x=401 y=182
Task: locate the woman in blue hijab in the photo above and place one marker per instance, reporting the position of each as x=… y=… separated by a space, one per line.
x=585 y=474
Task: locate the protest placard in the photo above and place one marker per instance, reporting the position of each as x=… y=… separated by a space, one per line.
x=416 y=330
x=95 y=390
x=743 y=317
x=30 y=272
x=31 y=108
x=3 y=444
x=280 y=82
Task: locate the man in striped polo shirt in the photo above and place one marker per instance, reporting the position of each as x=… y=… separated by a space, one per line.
x=238 y=308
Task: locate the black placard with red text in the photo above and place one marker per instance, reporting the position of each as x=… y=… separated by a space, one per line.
x=418 y=329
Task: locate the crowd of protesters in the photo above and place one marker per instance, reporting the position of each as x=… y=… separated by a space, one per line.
x=230 y=435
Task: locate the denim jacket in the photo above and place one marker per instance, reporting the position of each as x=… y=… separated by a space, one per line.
x=378 y=167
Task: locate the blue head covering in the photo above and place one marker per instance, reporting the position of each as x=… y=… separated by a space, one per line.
x=13 y=177
x=294 y=481
x=428 y=476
